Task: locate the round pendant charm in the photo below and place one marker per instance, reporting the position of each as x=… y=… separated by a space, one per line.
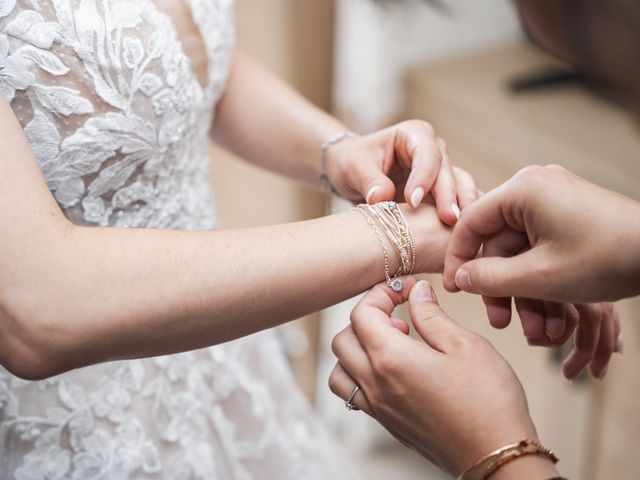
x=396 y=285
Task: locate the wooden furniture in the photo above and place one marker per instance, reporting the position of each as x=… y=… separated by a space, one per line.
x=594 y=426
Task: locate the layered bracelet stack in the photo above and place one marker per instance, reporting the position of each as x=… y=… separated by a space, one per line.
x=388 y=221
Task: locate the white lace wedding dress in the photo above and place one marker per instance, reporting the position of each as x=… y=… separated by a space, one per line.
x=119 y=124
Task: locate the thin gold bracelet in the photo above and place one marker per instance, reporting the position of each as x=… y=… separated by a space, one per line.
x=325 y=183
x=492 y=462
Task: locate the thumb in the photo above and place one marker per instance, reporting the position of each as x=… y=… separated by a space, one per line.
x=372 y=183
x=520 y=276
x=432 y=323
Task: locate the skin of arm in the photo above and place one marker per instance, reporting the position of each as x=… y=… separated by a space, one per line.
x=71 y=296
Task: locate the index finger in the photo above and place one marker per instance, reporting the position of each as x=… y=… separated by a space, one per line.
x=371 y=317
x=486 y=216
x=416 y=148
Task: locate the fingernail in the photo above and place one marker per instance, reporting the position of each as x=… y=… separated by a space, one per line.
x=371 y=191
x=424 y=291
x=463 y=280
x=416 y=197
x=554 y=328
x=456 y=210
x=619 y=343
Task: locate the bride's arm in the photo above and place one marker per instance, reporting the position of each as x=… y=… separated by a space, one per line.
x=283 y=132
x=72 y=296
x=265 y=121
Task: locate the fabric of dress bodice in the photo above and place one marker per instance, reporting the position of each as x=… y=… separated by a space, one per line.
x=118 y=121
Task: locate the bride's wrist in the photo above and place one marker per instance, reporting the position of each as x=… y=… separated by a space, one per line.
x=386 y=259
x=328 y=168
x=431 y=237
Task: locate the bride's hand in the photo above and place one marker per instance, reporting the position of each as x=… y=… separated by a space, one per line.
x=406 y=159
x=451 y=397
x=431 y=237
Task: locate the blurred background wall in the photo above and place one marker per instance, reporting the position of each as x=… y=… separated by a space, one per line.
x=453 y=64
x=376 y=46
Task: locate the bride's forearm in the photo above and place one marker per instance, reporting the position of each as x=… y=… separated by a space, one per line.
x=95 y=295
x=285 y=131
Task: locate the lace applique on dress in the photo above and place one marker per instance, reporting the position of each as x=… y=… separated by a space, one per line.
x=119 y=125
x=115 y=116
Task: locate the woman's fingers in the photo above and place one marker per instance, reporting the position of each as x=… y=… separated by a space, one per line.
x=341 y=384
x=554 y=320
x=571 y=320
x=371 y=317
x=498 y=311
x=531 y=314
x=400 y=324
x=606 y=343
x=466 y=189
x=586 y=340
x=444 y=190
x=436 y=328
x=618 y=331
x=417 y=149
x=506 y=243
x=368 y=179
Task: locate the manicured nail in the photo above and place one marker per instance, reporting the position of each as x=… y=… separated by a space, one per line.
x=417 y=196
x=456 y=210
x=620 y=343
x=424 y=291
x=463 y=280
x=371 y=191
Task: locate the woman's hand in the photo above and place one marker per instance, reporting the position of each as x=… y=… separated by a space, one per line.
x=568 y=241
x=550 y=235
x=406 y=160
x=549 y=324
x=452 y=398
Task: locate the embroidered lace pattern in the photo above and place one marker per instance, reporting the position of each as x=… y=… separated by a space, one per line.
x=119 y=123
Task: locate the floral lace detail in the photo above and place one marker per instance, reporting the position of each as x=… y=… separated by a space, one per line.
x=111 y=107
x=119 y=125
x=228 y=412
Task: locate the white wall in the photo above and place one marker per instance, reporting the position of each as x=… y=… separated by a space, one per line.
x=375 y=47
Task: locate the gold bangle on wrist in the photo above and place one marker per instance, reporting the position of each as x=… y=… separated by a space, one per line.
x=492 y=462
